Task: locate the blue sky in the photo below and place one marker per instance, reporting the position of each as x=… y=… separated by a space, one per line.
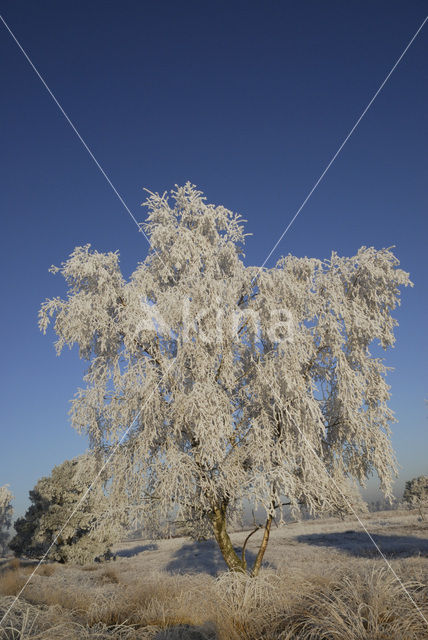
x=247 y=100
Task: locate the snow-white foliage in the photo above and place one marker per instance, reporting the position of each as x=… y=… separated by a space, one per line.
x=233 y=383
x=416 y=492
x=53 y=500
x=6 y=512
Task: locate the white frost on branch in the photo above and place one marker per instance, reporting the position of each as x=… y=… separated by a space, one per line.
x=62 y=519
x=416 y=494
x=228 y=409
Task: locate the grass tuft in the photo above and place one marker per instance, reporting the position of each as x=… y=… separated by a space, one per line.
x=11 y=582
x=351 y=603
x=109 y=576
x=14 y=563
x=46 y=570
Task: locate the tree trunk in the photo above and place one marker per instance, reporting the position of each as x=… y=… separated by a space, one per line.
x=218 y=519
x=231 y=558
x=262 y=549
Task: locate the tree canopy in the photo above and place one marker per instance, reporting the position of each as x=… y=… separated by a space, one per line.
x=225 y=382
x=53 y=511
x=416 y=493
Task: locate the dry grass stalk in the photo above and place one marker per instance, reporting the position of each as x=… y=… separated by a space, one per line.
x=46 y=570
x=11 y=582
x=353 y=603
x=109 y=576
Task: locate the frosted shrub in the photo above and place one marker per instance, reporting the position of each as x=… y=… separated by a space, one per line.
x=53 y=500
x=221 y=382
x=416 y=493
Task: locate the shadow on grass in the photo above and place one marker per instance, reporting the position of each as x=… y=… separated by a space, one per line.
x=204 y=557
x=133 y=551
x=358 y=543
x=12 y=563
x=186 y=632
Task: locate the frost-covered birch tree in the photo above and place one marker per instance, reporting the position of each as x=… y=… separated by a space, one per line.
x=223 y=382
x=6 y=512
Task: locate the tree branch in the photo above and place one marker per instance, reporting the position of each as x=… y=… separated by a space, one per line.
x=312 y=361
x=244 y=562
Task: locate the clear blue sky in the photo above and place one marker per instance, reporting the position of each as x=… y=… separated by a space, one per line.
x=247 y=100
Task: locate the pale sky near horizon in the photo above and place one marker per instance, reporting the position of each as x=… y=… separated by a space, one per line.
x=247 y=100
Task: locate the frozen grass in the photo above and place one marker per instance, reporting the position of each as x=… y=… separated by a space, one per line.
x=11 y=582
x=321 y=585
x=13 y=576
x=46 y=570
x=371 y=605
x=361 y=603
x=109 y=576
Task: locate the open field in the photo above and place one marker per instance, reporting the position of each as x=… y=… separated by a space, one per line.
x=320 y=580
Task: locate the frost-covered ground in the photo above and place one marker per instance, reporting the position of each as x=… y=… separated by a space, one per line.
x=399 y=534
x=296 y=546
x=321 y=579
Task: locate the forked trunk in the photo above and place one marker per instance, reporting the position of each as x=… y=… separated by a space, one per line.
x=231 y=558
x=229 y=554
